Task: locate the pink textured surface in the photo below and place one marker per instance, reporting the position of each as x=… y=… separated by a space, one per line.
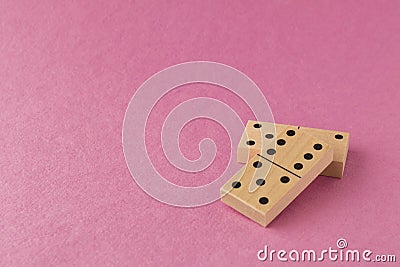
x=68 y=71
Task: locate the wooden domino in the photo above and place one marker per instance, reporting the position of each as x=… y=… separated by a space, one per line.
x=280 y=174
x=256 y=136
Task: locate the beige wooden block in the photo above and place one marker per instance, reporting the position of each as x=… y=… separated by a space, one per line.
x=279 y=177
x=254 y=140
x=254 y=137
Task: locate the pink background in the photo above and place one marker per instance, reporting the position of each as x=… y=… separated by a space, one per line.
x=68 y=71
